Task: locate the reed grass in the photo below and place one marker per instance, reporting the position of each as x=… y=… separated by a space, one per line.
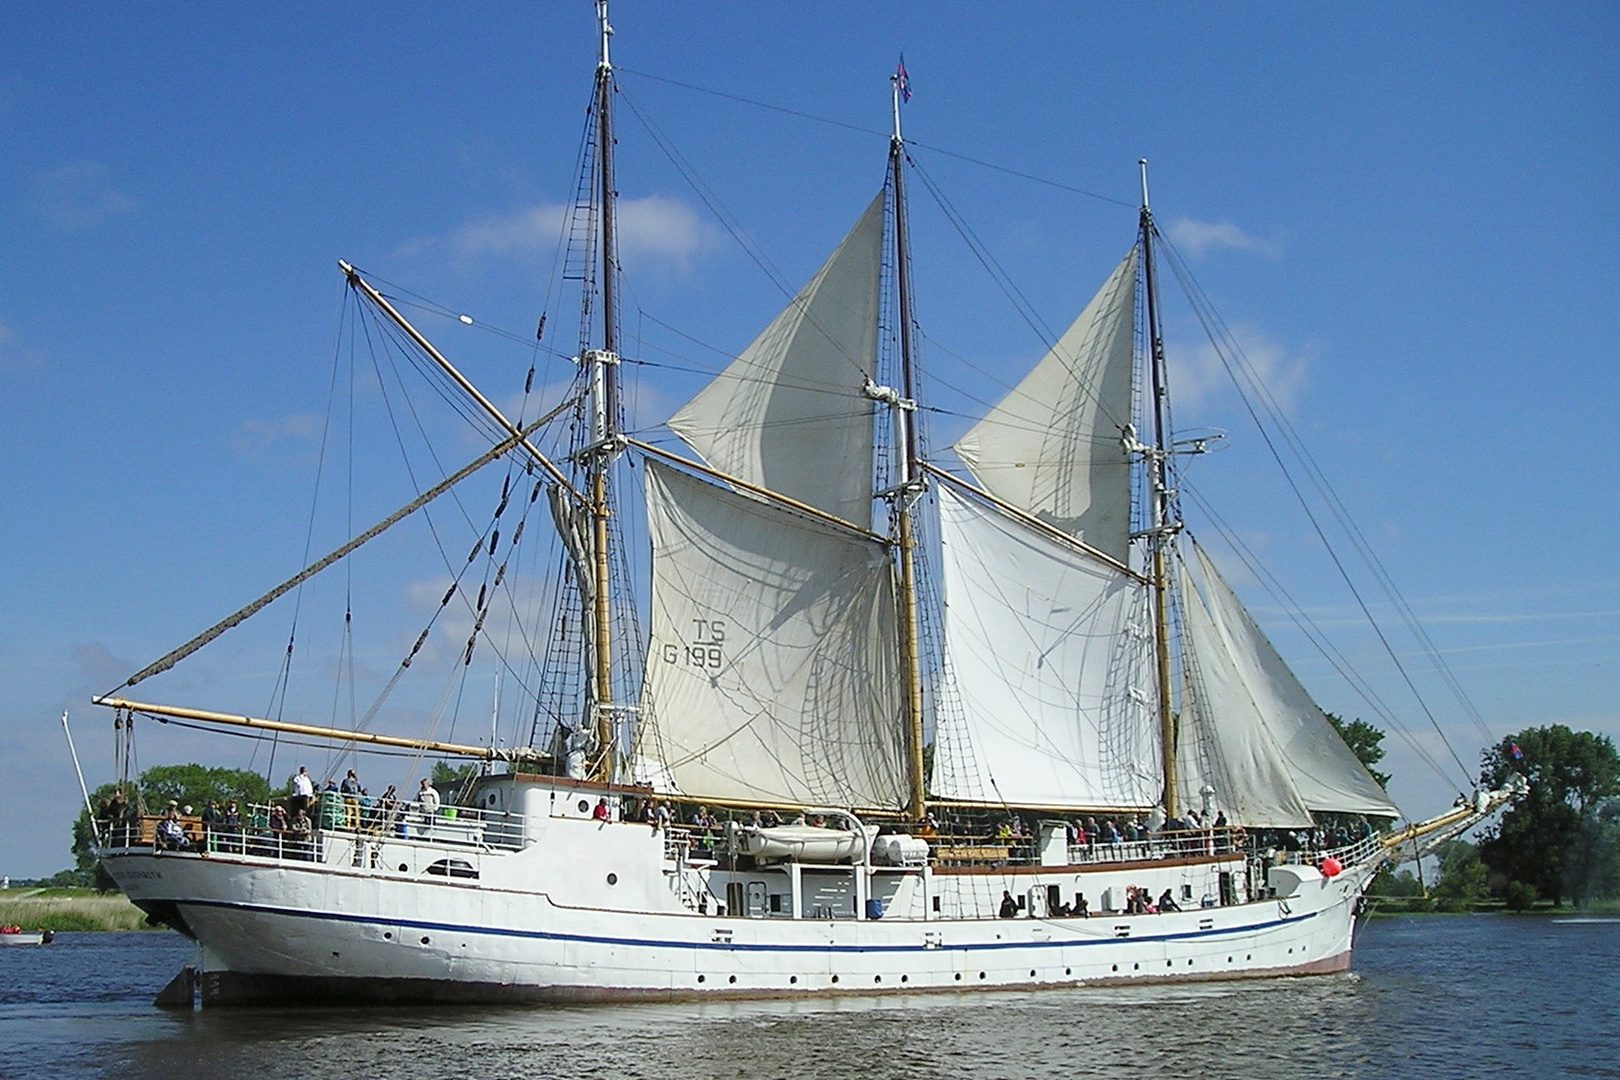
x=69 y=909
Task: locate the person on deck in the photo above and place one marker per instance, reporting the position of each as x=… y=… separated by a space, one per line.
x=1009 y=906
x=303 y=793
x=350 y=790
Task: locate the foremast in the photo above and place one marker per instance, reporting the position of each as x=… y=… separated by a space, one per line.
x=909 y=485
x=1165 y=518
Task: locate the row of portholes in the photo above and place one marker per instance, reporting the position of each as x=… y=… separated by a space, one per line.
x=794 y=979
x=1170 y=963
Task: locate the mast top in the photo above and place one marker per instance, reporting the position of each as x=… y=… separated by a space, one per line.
x=603 y=63
x=1141 y=164
x=899 y=91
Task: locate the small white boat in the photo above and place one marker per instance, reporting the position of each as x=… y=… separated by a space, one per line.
x=11 y=936
x=800 y=843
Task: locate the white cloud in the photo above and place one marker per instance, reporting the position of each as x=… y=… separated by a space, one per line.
x=1198 y=237
x=14 y=355
x=653 y=228
x=1199 y=377
x=78 y=196
x=254 y=433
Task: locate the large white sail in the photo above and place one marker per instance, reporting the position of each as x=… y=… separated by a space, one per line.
x=772 y=672
x=789 y=414
x=1050 y=652
x=1052 y=446
x=1254 y=734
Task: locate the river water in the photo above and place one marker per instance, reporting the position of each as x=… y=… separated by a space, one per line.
x=1430 y=997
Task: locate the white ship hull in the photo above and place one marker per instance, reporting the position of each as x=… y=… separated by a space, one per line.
x=596 y=911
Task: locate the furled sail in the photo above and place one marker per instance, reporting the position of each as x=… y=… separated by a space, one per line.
x=1052 y=446
x=1254 y=734
x=772 y=672
x=1051 y=653
x=789 y=414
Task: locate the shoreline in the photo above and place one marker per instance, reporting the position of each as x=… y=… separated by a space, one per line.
x=62 y=910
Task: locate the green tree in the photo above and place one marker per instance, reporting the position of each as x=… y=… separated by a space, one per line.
x=1462 y=876
x=1592 y=865
x=1365 y=741
x=188 y=785
x=1536 y=842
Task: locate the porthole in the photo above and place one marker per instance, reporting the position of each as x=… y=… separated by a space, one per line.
x=835 y=978
x=877 y=978
x=1169 y=963
x=1116 y=967
x=1248 y=956
x=905 y=978
x=793 y=980
x=425 y=941
x=403 y=868
x=613 y=879
x=703 y=978
x=1136 y=967
x=732 y=979
x=958 y=976
x=584 y=806
x=1032 y=974
x=1068 y=971
x=981 y=974
x=1228 y=959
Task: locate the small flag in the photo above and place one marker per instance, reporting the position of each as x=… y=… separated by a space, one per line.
x=1514 y=752
x=902 y=80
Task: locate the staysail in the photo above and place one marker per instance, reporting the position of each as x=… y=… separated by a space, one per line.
x=772 y=671
x=789 y=414
x=1250 y=729
x=1050 y=652
x=1052 y=446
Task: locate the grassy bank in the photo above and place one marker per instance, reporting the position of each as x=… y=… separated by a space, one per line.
x=1417 y=905
x=69 y=909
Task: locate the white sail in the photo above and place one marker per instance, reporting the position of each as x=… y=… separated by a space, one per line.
x=772 y=671
x=1052 y=446
x=1257 y=736
x=789 y=414
x=1050 y=651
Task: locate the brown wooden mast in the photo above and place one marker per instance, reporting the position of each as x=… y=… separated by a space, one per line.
x=1163 y=527
x=909 y=485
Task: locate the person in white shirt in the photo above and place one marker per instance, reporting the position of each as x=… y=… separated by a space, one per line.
x=427 y=797
x=303 y=790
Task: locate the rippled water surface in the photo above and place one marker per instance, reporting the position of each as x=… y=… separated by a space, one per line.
x=1473 y=996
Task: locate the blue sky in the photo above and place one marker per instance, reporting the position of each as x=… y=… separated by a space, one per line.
x=1406 y=215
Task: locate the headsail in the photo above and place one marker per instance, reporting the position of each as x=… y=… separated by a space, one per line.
x=1249 y=728
x=1050 y=651
x=772 y=668
x=1052 y=446
x=789 y=414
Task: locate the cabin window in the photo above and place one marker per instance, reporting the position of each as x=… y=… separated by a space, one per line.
x=456 y=868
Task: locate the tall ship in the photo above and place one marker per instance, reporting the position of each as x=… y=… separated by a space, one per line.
x=900 y=721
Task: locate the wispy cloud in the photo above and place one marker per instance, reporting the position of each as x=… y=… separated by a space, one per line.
x=653 y=228
x=1199 y=374
x=14 y=355
x=1199 y=237
x=255 y=433
x=78 y=196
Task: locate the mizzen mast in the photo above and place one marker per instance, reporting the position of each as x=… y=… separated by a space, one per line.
x=605 y=439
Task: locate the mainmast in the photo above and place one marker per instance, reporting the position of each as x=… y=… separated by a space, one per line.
x=604 y=401
x=908 y=486
x=1165 y=525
